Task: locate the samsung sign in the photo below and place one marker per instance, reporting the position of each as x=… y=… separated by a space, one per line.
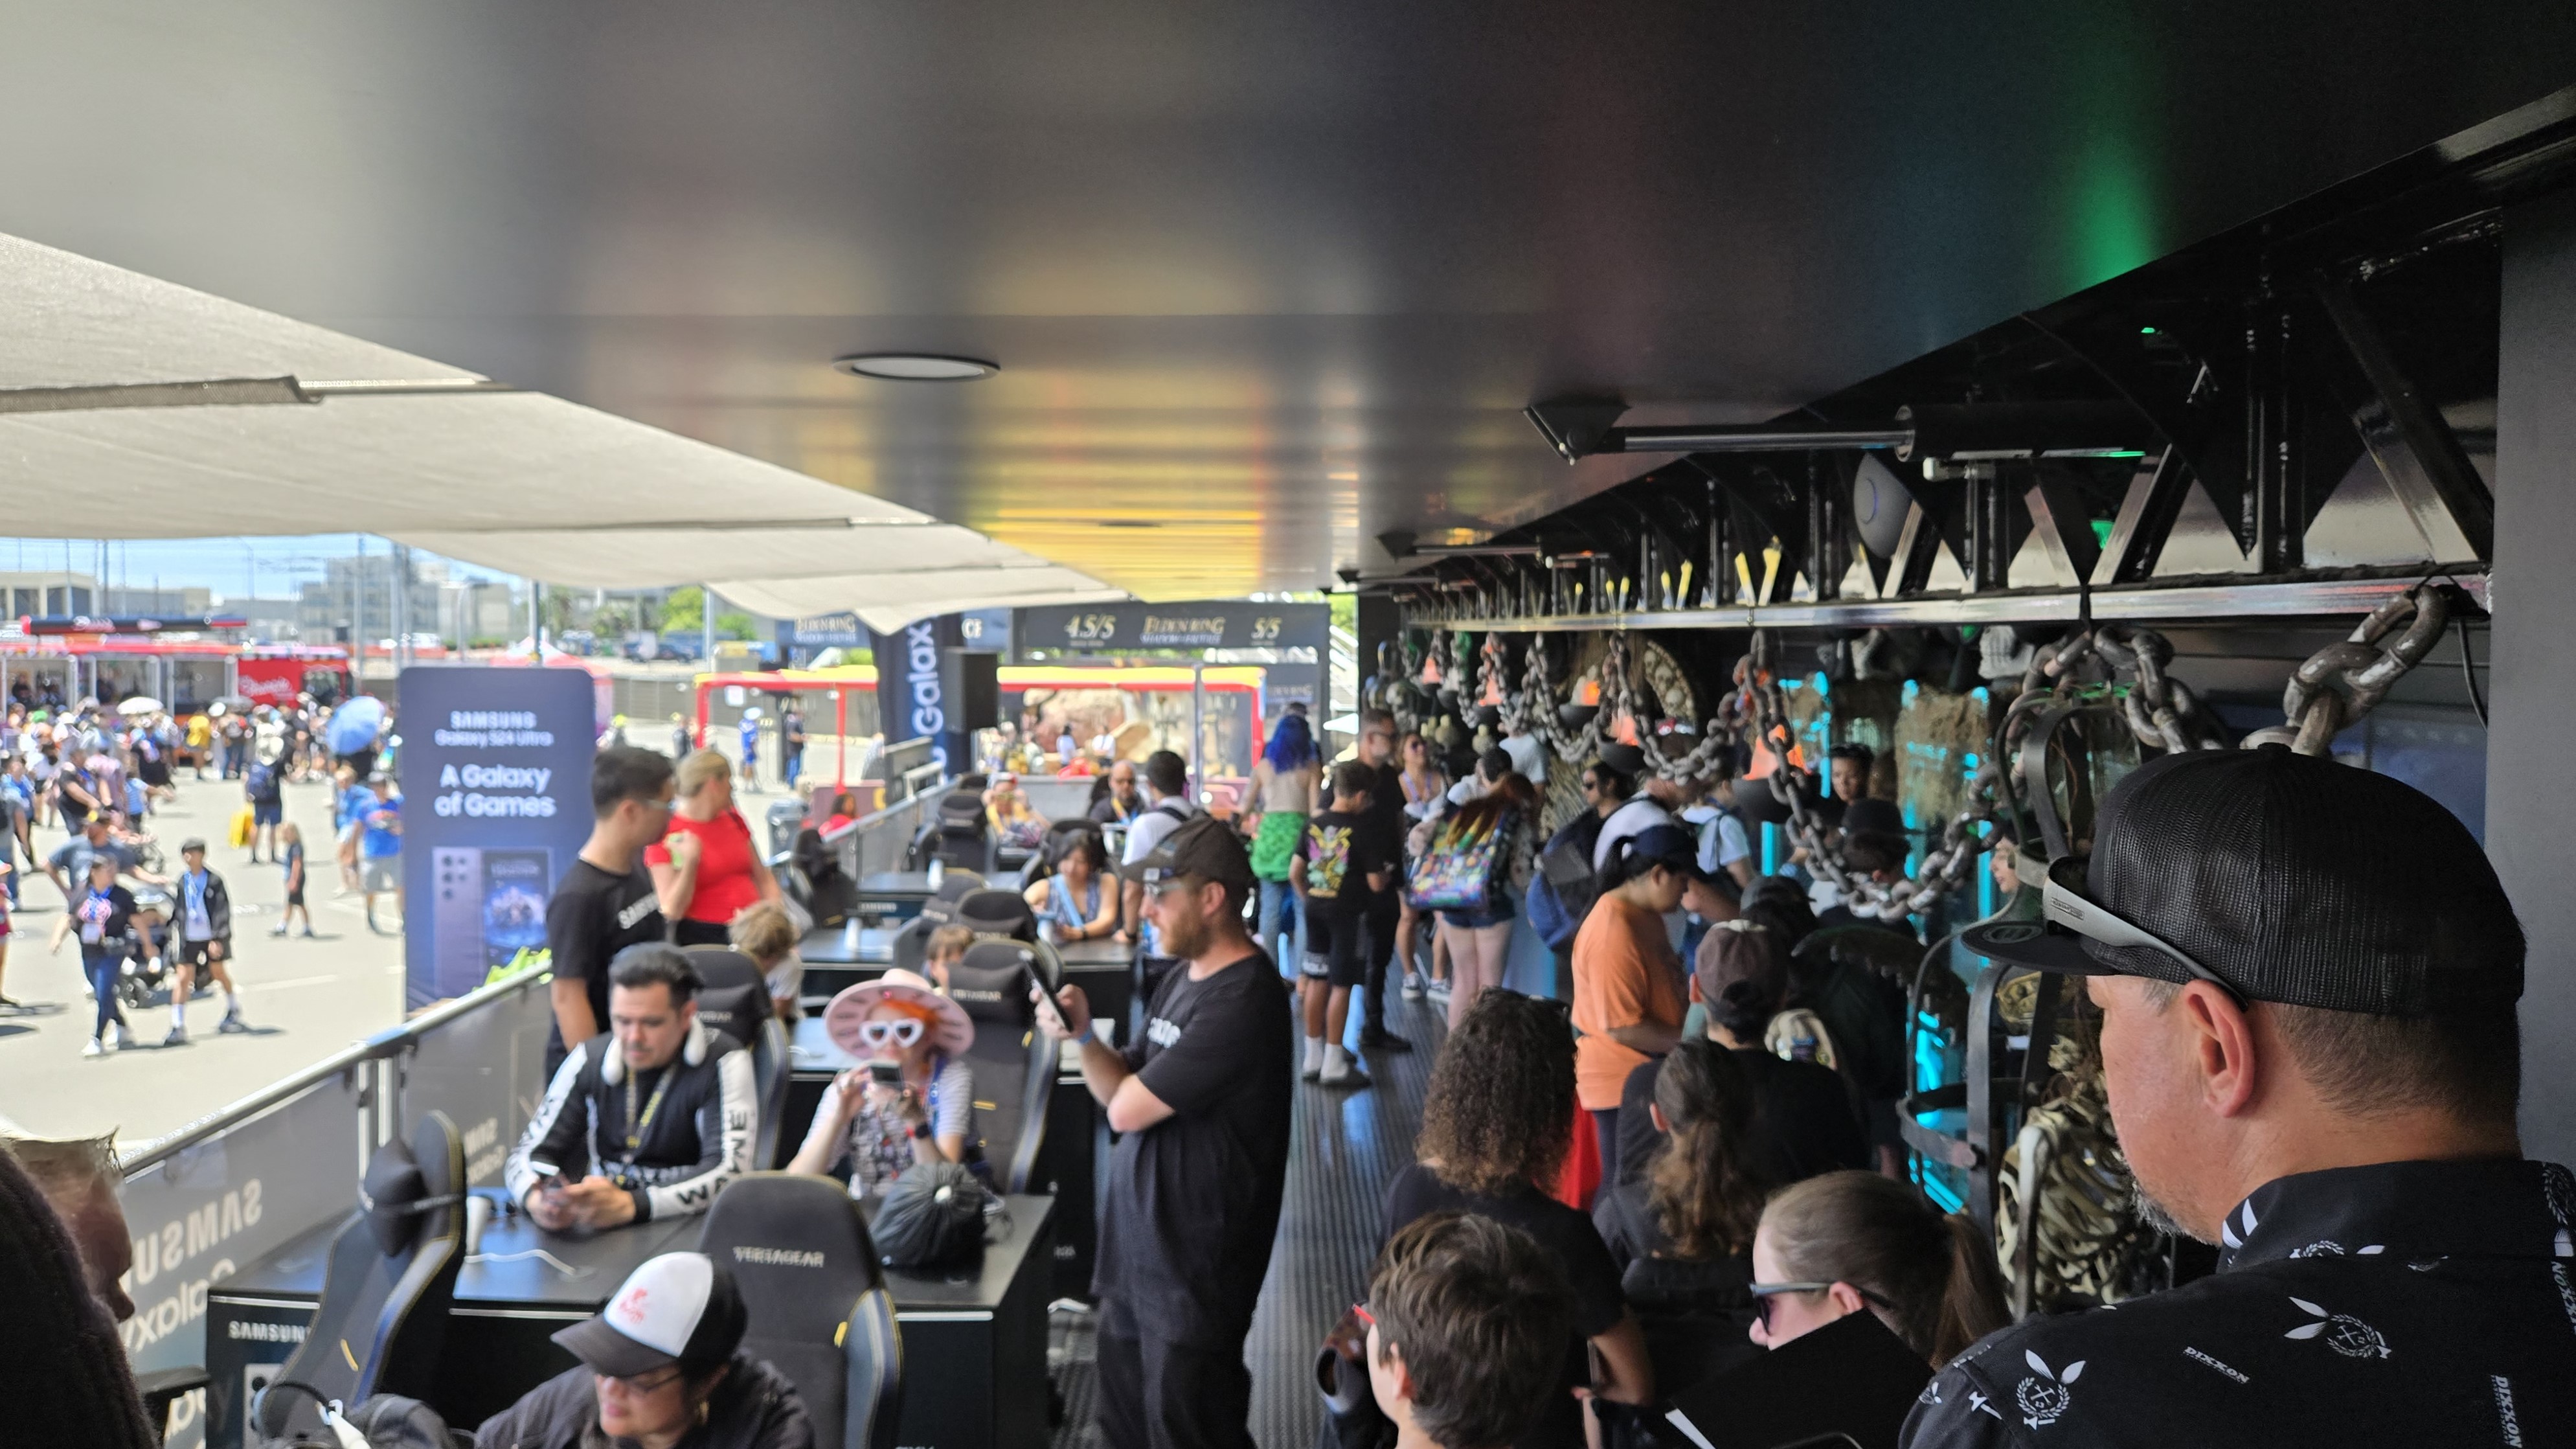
x=909 y=693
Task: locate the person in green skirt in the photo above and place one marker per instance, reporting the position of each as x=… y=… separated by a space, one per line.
x=1284 y=782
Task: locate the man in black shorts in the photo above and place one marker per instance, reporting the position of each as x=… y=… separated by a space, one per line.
x=204 y=919
x=1385 y=906
x=1343 y=861
x=605 y=902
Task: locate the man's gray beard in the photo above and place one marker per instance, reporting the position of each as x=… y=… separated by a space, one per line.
x=2154 y=1215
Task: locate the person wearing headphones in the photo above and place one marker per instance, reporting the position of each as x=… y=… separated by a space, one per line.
x=650 y=1120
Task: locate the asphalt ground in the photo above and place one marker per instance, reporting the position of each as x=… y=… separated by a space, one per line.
x=304 y=998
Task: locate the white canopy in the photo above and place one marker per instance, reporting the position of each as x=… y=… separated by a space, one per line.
x=397 y=445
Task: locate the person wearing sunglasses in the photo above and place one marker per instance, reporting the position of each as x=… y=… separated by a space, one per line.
x=662 y=1365
x=1856 y=1241
x=912 y=1096
x=2308 y=977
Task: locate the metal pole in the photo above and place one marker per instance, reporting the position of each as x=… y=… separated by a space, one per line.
x=402 y=607
x=1198 y=726
x=707 y=625
x=840 y=733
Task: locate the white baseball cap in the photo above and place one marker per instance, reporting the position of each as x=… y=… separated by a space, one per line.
x=677 y=1306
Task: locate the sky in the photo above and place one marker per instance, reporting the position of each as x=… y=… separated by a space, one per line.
x=234 y=568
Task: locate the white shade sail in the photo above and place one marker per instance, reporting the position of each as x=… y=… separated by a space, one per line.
x=520 y=482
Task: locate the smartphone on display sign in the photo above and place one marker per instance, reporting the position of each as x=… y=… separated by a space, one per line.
x=514 y=888
x=457 y=952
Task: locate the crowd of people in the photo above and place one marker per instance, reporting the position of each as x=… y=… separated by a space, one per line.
x=1647 y=1179
x=100 y=775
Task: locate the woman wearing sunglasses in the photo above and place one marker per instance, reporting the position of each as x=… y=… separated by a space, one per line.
x=1836 y=1244
x=911 y=1099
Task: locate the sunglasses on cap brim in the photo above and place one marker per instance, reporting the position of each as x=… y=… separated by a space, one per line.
x=2064 y=903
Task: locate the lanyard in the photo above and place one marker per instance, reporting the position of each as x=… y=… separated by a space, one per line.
x=637 y=1126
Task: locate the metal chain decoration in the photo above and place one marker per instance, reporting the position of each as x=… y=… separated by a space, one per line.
x=2116 y=664
x=1947 y=867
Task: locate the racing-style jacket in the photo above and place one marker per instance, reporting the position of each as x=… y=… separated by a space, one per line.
x=673 y=1136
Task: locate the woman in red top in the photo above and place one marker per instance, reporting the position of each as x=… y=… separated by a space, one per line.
x=706 y=870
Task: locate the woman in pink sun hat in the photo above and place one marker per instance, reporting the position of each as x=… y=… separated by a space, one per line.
x=899 y=1026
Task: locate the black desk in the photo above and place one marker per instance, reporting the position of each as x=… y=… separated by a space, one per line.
x=850 y=944
x=900 y=888
x=1105 y=969
x=975 y=1341
x=499 y=1341
x=974 y=1337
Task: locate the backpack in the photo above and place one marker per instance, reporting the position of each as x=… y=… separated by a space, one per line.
x=1565 y=889
x=262 y=783
x=1461 y=870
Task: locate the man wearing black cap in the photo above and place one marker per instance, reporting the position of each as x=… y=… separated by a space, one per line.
x=1202 y=1102
x=2307 y=976
x=661 y=1363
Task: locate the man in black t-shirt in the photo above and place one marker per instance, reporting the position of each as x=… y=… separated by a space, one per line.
x=1345 y=859
x=1385 y=907
x=1202 y=1104
x=605 y=903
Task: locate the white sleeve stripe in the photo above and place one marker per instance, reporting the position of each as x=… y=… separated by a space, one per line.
x=515 y=1174
x=741 y=1119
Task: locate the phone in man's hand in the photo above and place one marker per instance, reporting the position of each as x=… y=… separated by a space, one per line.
x=1045 y=999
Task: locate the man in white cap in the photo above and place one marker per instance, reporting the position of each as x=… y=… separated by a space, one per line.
x=660 y=1364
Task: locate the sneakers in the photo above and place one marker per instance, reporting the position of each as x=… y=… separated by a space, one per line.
x=232 y=1024
x=115 y=1036
x=1314 y=1063
x=1412 y=986
x=178 y=1037
x=279 y=930
x=1341 y=1070
x=1379 y=1039
x=93 y=1048
x=1440 y=988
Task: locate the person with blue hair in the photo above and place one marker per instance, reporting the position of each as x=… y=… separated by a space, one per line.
x=1284 y=782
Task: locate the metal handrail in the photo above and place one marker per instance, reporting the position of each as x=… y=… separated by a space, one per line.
x=392 y=1042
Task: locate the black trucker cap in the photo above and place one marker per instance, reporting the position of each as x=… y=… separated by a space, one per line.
x=2282 y=877
x=1203 y=846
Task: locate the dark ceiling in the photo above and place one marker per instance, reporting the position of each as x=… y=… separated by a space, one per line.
x=1265 y=279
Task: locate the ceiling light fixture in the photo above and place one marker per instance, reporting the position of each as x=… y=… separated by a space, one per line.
x=914 y=366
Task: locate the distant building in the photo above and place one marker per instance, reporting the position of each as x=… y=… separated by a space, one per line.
x=186 y=603
x=48 y=594
x=267 y=621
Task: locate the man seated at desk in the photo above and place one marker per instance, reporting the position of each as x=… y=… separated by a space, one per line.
x=648 y=1121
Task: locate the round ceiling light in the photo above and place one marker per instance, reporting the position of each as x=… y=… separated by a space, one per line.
x=914 y=366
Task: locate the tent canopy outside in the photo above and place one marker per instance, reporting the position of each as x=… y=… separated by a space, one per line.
x=519 y=482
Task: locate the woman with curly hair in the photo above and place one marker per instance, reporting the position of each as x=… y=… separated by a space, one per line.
x=1682 y=1234
x=1497 y=1120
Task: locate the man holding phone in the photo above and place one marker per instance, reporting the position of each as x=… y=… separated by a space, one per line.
x=661 y=1111
x=1202 y=1101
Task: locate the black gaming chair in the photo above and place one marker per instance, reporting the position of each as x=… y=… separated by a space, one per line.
x=957 y=832
x=912 y=939
x=997 y=912
x=386 y=1291
x=1014 y=1063
x=819 y=1309
x=735 y=1001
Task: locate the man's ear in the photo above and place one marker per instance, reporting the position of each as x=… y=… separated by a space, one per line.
x=1655 y=1111
x=2222 y=1048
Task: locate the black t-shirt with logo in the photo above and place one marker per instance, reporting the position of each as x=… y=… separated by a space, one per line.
x=1193 y=1200
x=594 y=915
x=1342 y=850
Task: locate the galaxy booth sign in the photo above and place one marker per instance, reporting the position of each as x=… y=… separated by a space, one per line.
x=496 y=805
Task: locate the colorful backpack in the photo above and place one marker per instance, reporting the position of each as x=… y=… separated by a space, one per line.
x=1462 y=868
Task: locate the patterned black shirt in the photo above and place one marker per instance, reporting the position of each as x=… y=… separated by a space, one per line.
x=2406 y=1303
